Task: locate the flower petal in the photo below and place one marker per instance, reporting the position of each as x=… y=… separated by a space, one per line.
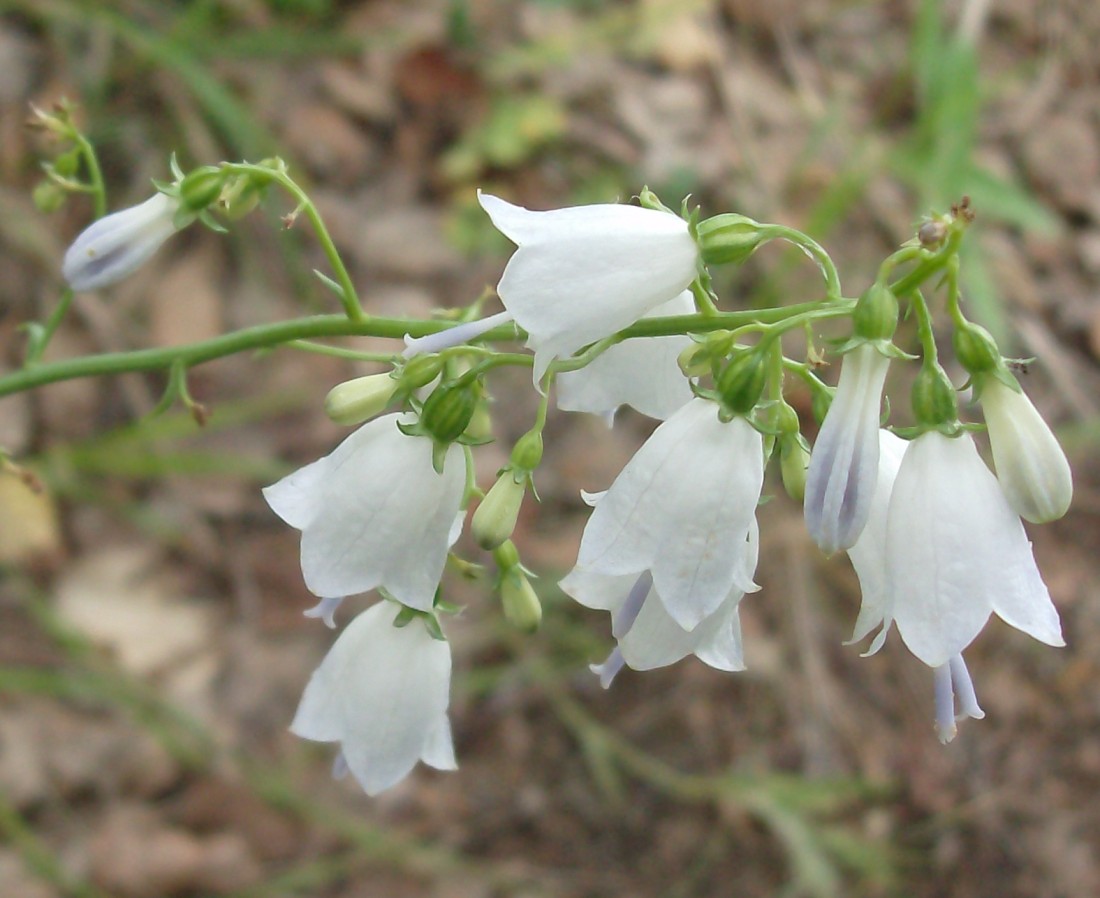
x=956 y=551
x=682 y=507
x=868 y=555
x=381 y=692
x=375 y=513
x=643 y=373
x=841 y=476
x=585 y=273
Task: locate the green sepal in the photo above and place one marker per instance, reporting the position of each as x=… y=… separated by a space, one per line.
x=329 y=282
x=212 y=223
x=883 y=347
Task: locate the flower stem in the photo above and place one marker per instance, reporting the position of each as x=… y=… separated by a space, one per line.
x=269 y=336
x=350 y=299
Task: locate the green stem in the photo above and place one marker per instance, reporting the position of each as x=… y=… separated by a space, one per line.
x=40 y=338
x=816 y=252
x=925 y=269
x=269 y=336
x=95 y=174
x=924 y=329
x=350 y=299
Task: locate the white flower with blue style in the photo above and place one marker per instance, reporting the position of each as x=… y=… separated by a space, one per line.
x=117 y=245
x=682 y=511
x=841 y=477
x=374 y=513
x=642 y=372
x=585 y=273
x=1031 y=466
x=956 y=552
x=955 y=698
x=646 y=635
x=382 y=693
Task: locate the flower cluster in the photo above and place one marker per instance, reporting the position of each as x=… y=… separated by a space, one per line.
x=671 y=546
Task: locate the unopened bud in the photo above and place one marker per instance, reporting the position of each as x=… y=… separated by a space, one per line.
x=115 y=246
x=742 y=382
x=201 y=188
x=876 y=314
x=521 y=603
x=48 y=196
x=729 y=239
x=355 y=401
x=447 y=412
x=794 y=459
x=527 y=453
x=495 y=518
x=933 y=397
x=420 y=371
x=975 y=348
x=67 y=164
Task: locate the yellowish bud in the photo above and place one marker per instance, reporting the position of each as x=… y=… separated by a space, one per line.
x=521 y=603
x=355 y=401
x=495 y=518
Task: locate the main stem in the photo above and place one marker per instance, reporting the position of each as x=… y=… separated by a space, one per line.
x=268 y=336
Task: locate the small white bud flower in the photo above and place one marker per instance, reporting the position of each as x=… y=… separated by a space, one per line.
x=117 y=245
x=1031 y=466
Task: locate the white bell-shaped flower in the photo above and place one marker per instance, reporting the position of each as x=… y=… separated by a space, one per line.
x=956 y=551
x=841 y=478
x=643 y=373
x=646 y=636
x=382 y=693
x=868 y=555
x=374 y=513
x=682 y=509
x=584 y=273
x=1031 y=466
x=117 y=245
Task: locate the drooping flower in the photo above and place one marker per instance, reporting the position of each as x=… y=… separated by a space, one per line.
x=584 y=273
x=646 y=636
x=374 y=513
x=642 y=372
x=1031 y=466
x=956 y=551
x=841 y=478
x=868 y=555
x=117 y=245
x=682 y=509
x=382 y=693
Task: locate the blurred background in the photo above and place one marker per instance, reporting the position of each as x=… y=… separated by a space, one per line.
x=152 y=648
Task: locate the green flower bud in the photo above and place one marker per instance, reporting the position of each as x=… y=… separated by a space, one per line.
x=447 y=412
x=975 y=348
x=420 y=371
x=876 y=314
x=728 y=239
x=201 y=188
x=527 y=453
x=480 y=428
x=67 y=164
x=819 y=404
x=794 y=459
x=240 y=196
x=742 y=382
x=520 y=601
x=935 y=405
x=495 y=518
x=48 y=196
x=506 y=555
x=354 y=401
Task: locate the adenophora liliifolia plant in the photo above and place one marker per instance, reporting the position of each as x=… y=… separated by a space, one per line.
x=617 y=304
